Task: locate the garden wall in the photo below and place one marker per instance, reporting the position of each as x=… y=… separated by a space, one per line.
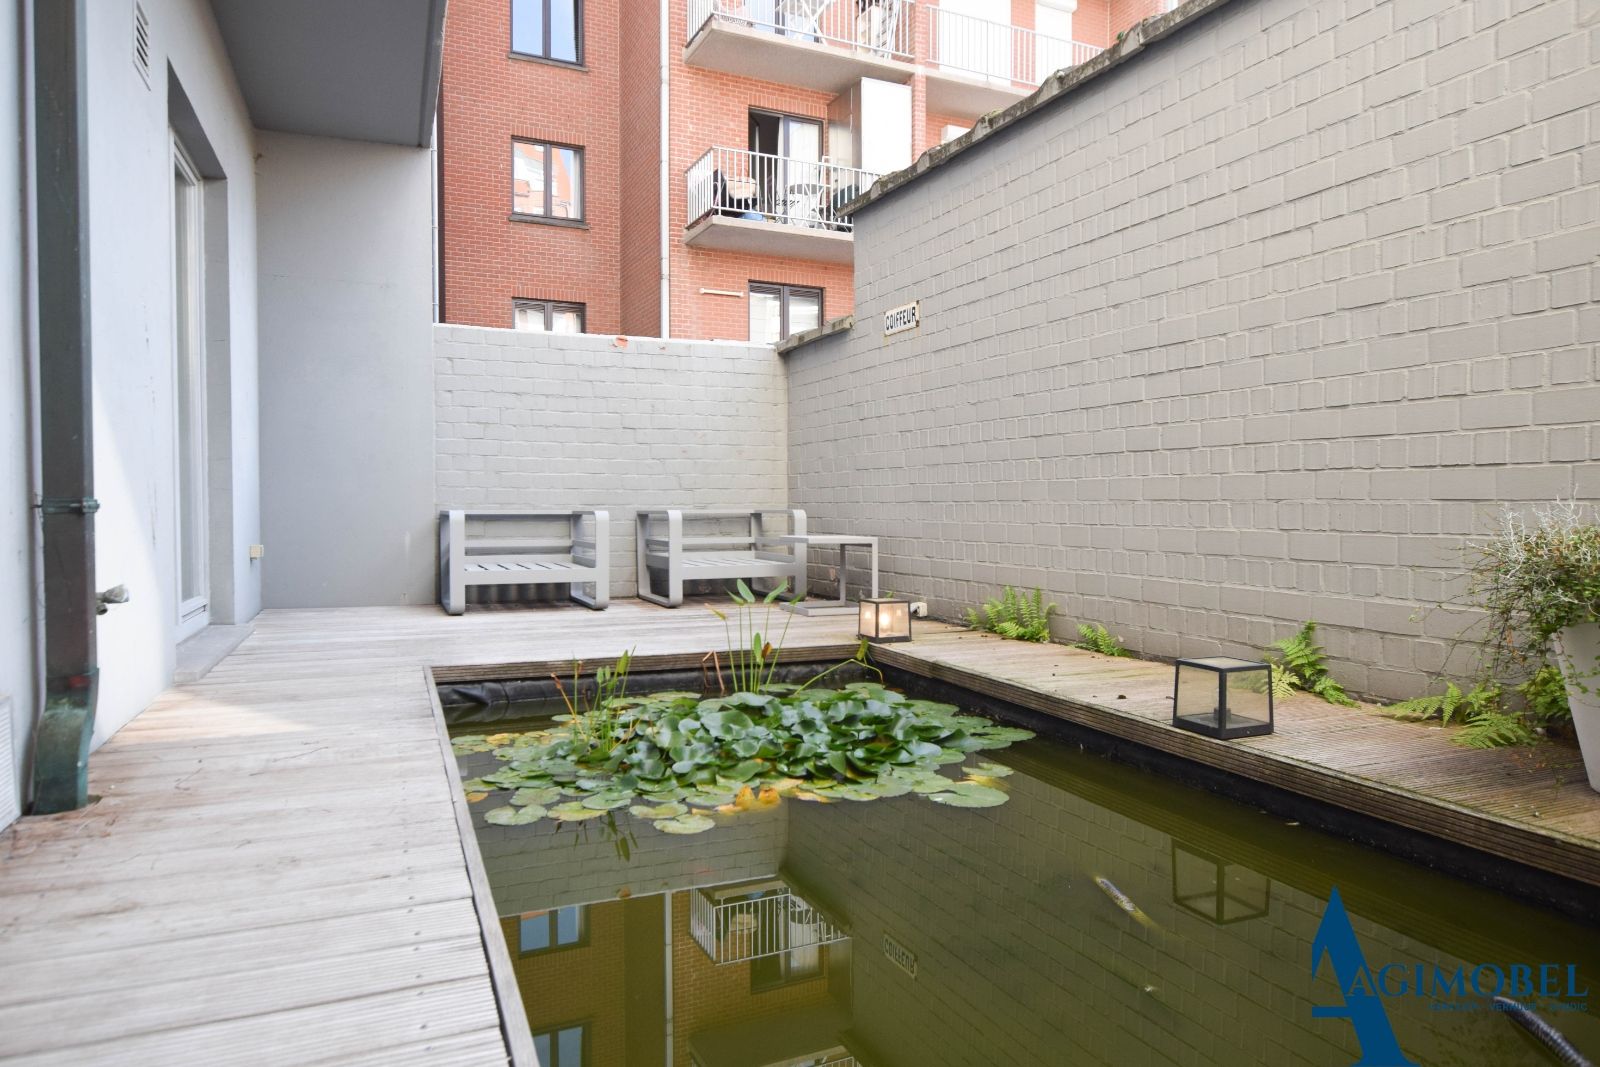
x=531 y=420
x=1253 y=328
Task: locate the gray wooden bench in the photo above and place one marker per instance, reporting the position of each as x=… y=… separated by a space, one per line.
x=476 y=548
x=687 y=545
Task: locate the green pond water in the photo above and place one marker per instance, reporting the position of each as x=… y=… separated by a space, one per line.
x=1103 y=914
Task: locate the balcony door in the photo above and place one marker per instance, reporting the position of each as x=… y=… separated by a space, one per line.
x=787 y=165
x=188 y=353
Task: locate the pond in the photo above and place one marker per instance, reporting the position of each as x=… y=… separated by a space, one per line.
x=1103 y=914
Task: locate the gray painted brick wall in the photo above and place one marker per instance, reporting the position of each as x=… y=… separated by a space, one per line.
x=1256 y=328
x=528 y=420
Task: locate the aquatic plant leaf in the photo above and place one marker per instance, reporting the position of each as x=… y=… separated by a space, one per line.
x=540 y=794
x=974 y=796
x=575 y=811
x=992 y=770
x=669 y=810
x=473 y=798
x=706 y=799
x=514 y=816
x=686 y=824
x=477 y=785
x=608 y=800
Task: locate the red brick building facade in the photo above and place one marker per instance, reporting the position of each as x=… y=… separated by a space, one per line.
x=580 y=82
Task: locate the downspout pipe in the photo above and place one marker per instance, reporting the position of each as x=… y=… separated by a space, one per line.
x=665 y=177
x=66 y=505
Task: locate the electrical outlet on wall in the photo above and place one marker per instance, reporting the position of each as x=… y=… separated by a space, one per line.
x=257 y=551
x=919 y=608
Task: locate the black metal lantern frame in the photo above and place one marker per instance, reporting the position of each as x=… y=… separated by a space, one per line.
x=1238 y=703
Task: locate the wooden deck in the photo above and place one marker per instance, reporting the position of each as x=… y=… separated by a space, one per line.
x=1533 y=806
x=275 y=873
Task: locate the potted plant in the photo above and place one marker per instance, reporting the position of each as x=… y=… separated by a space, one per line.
x=1538 y=578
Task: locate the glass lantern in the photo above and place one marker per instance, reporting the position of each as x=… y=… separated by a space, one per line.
x=885 y=619
x=1223 y=697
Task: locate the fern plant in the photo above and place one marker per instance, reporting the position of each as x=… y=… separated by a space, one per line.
x=1300 y=665
x=1016 y=616
x=1096 y=638
x=1485 y=720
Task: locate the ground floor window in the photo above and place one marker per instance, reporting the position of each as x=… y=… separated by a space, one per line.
x=548 y=316
x=779 y=311
x=542 y=931
x=560 y=1048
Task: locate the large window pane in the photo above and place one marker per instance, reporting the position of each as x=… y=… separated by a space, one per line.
x=527 y=27
x=569 y=1047
x=566 y=320
x=805 y=311
x=766 y=316
x=527 y=178
x=566 y=184
x=564 y=30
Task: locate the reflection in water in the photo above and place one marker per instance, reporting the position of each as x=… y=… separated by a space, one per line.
x=1103 y=915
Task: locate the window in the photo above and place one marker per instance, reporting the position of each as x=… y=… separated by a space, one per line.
x=548 y=29
x=560 y=1048
x=547 y=316
x=542 y=931
x=546 y=181
x=779 y=311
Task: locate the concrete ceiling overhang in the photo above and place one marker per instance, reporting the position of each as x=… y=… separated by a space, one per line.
x=366 y=70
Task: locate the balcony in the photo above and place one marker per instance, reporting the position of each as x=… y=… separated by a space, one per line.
x=742 y=201
x=758 y=920
x=975 y=66
x=825 y=45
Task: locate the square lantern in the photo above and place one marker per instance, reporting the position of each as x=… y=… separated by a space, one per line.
x=885 y=619
x=1223 y=697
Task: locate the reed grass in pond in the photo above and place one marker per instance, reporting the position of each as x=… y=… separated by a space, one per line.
x=1102 y=915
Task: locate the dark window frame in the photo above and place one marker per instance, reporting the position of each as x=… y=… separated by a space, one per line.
x=554 y=946
x=582 y=218
x=585 y=1051
x=783 y=292
x=550 y=307
x=543 y=7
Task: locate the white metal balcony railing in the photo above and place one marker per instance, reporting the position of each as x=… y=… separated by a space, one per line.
x=746 y=927
x=737 y=183
x=1000 y=52
x=883 y=28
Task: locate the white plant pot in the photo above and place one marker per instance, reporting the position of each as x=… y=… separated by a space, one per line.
x=1578 y=652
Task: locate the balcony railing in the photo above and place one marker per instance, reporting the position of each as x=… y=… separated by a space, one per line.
x=769 y=921
x=736 y=183
x=883 y=28
x=999 y=52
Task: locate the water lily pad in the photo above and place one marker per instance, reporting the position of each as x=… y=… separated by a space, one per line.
x=608 y=800
x=707 y=799
x=970 y=795
x=473 y=798
x=573 y=811
x=992 y=770
x=509 y=816
x=477 y=785
x=669 y=810
x=686 y=824
x=539 y=794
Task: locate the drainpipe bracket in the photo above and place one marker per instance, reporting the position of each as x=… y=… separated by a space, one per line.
x=54 y=505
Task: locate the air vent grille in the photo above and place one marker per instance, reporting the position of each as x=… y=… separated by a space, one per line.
x=141 y=43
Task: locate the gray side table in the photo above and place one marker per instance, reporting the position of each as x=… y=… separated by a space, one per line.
x=844 y=543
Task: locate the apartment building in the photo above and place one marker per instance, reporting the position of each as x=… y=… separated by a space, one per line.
x=678 y=167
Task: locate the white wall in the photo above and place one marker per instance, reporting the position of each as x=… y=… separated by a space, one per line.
x=346 y=340
x=16 y=540
x=130 y=202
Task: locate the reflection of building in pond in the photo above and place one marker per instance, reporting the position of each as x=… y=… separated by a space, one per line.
x=1093 y=918
x=757 y=977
